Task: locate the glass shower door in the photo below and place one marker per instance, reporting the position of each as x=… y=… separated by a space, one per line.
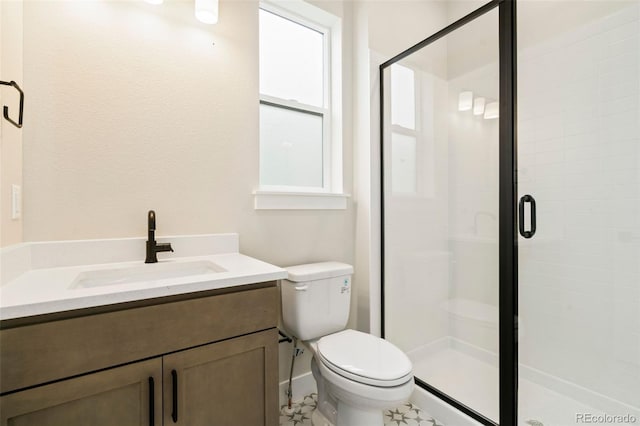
x=441 y=195
x=579 y=158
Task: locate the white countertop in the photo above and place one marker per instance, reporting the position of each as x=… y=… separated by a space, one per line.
x=50 y=288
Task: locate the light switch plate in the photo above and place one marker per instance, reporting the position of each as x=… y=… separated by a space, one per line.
x=16 y=202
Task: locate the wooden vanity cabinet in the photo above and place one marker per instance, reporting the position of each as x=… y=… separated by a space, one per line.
x=211 y=368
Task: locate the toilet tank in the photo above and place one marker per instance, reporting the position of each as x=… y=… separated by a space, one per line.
x=316 y=298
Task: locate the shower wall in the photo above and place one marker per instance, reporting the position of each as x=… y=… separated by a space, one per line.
x=579 y=155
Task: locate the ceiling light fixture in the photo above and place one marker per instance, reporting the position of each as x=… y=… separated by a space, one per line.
x=207 y=11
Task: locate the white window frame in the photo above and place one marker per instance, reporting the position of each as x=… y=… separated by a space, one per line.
x=330 y=195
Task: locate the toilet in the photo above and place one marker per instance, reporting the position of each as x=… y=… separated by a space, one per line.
x=358 y=375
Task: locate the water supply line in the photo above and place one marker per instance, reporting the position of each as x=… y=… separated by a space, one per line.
x=294 y=354
x=293 y=360
x=284 y=338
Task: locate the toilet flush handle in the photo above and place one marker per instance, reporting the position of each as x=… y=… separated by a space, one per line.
x=304 y=287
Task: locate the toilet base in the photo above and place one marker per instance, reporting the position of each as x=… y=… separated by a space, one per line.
x=349 y=417
x=340 y=407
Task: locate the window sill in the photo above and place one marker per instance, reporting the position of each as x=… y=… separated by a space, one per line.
x=270 y=200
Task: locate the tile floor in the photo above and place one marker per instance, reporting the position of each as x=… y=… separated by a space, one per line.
x=406 y=414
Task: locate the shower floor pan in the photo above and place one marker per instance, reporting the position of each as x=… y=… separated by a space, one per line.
x=469 y=374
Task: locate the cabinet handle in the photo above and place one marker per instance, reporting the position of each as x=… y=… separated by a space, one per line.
x=174 y=385
x=152 y=400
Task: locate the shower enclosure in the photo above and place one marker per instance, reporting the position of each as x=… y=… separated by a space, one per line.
x=511 y=212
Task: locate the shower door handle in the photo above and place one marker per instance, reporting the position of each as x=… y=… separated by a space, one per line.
x=527 y=199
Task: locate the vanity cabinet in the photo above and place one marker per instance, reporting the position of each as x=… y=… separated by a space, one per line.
x=199 y=359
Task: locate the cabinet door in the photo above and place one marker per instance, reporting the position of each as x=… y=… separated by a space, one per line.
x=230 y=383
x=123 y=396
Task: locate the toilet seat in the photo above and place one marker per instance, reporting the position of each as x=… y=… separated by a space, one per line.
x=364 y=358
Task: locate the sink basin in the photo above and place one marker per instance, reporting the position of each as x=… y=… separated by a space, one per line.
x=144 y=273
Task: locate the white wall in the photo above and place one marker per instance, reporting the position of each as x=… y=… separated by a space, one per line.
x=131 y=107
x=10 y=136
x=579 y=156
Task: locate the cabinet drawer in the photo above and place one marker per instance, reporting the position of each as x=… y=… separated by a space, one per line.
x=39 y=353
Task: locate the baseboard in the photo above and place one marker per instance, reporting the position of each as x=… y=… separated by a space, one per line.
x=302 y=385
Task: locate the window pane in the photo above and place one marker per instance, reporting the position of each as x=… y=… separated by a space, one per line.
x=290 y=147
x=403 y=101
x=403 y=164
x=291 y=60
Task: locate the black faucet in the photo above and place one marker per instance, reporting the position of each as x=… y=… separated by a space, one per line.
x=152 y=247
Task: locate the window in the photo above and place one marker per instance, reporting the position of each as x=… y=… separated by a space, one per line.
x=292 y=60
x=300 y=129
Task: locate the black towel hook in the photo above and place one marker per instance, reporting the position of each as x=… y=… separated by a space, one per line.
x=6 y=108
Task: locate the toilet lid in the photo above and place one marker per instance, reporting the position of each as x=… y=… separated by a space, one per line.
x=365 y=358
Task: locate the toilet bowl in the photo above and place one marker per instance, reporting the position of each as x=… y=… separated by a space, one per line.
x=358 y=375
